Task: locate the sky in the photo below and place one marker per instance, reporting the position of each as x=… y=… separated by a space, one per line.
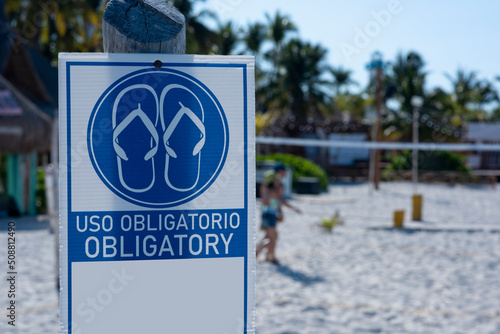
x=448 y=34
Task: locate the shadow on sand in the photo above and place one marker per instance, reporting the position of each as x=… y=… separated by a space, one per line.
x=298 y=276
x=451 y=229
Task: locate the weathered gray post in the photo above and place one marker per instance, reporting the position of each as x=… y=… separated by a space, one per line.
x=143 y=26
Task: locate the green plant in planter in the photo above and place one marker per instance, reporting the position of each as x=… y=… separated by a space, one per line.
x=431 y=161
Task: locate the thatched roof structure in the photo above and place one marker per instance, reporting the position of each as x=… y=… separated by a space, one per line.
x=28 y=94
x=28 y=71
x=24 y=127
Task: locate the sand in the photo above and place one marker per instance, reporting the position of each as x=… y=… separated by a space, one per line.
x=441 y=275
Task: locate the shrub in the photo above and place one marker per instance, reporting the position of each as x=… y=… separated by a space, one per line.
x=430 y=161
x=330 y=223
x=41 y=200
x=300 y=166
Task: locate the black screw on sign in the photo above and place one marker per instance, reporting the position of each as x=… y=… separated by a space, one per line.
x=158 y=64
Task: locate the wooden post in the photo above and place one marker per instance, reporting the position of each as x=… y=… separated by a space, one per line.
x=143 y=26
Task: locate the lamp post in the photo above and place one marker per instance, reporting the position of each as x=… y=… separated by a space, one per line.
x=417 y=103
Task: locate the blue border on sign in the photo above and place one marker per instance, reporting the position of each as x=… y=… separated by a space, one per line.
x=245 y=141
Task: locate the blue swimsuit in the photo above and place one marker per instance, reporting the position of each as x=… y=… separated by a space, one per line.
x=270 y=213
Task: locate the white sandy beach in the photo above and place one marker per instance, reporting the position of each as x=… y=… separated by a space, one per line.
x=358 y=280
x=438 y=276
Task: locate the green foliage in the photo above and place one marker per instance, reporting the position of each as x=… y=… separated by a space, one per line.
x=495 y=115
x=301 y=166
x=52 y=27
x=430 y=161
x=301 y=66
x=3 y=172
x=292 y=75
x=330 y=223
x=200 y=39
x=41 y=199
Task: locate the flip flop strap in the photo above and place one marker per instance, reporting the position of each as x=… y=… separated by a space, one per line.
x=172 y=126
x=149 y=125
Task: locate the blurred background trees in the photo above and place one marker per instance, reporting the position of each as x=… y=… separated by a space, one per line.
x=292 y=75
x=58 y=26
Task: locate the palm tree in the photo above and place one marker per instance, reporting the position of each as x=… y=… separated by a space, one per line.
x=409 y=78
x=254 y=37
x=342 y=78
x=199 y=38
x=405 y=79
x=484 y=93
x=470 y=94
x=302 y=84
x=495 y=115
x=463 y=85
x=278 y=28
x=227 y=39
x=269 y=92
x=52 y=28
x=441 y=116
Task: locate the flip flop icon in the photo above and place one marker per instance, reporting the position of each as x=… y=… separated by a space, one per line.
x=136 y=169
x=182 y=163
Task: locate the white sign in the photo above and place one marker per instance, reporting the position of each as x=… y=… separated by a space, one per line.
x=157 y=193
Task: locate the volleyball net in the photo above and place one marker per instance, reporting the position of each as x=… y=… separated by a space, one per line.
x=421 y=146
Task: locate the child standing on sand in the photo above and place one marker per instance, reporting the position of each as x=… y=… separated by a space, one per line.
x=272 y=199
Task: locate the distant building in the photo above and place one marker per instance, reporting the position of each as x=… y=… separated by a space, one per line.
x=485 y=133
x=342 y=156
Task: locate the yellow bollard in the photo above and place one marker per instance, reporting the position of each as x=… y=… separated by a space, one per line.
x=399 y=216
x=417 y=207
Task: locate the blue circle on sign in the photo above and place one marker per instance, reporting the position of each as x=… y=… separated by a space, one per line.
x=158 y=138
